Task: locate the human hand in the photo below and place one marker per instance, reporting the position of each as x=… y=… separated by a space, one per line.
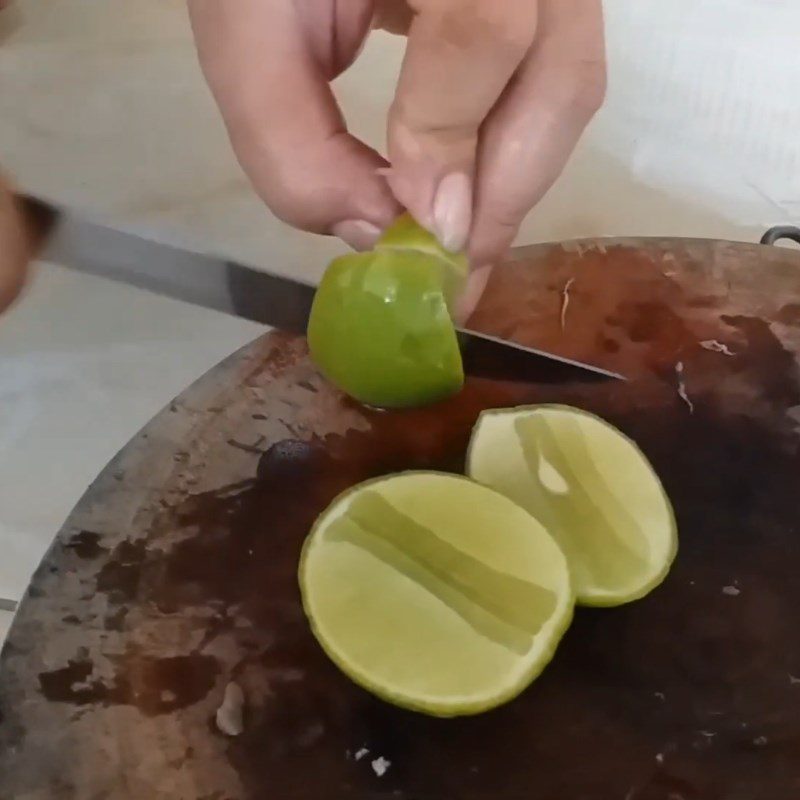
x=492 y=98
x=15 y=246
x=15 y=250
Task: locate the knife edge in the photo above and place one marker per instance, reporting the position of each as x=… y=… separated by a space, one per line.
x=250 y=293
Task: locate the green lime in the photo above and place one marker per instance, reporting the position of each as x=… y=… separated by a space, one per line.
x=381 y=327
x=434 y=592
x=591 y=487
x=406 y=235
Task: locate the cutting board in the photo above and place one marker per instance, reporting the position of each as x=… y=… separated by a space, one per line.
x=175 y=576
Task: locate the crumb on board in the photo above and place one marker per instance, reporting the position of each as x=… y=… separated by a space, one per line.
x=760 y=741
x=565 y=297
x=682 y=393
x=717 y=347
x=660 y=696
x=731 y=591
x=793 y=681
x=361 y=753
x=380 y=766
x=230 y=718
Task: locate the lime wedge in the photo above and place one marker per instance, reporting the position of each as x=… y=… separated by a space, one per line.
x=435 y=593
x=381 y=327
x=591 y=487
x=406 y=235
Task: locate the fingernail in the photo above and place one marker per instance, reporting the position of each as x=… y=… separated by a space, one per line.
x=358 y=233
x=452 y=211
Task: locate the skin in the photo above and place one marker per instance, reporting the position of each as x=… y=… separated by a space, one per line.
x=15 y=240
x=15 y=247
x=491 y=101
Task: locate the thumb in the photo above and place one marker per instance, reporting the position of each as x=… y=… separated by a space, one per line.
x=461 y=54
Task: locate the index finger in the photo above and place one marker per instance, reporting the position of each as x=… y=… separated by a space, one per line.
x=460 y=57
x=531 y=133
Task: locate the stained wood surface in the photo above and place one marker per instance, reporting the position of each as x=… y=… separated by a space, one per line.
x=175 y=574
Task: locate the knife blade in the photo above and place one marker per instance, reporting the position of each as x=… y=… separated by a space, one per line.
x=250 y=293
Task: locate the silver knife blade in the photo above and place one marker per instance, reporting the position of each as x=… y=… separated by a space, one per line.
x=223 y=285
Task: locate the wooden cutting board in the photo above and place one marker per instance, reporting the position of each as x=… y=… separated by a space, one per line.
x=175 y=575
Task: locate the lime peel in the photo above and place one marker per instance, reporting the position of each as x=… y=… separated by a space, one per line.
x=381 y=322
x=428 y=603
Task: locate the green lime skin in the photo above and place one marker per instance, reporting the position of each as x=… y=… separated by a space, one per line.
x=380 y=328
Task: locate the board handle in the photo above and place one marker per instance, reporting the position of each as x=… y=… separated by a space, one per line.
x=774 y=235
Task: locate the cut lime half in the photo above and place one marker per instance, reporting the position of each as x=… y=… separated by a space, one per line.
x=590 y=486
x=435 y=593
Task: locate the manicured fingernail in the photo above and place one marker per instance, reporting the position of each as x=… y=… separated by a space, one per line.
x=358 y=233
x=452 y=211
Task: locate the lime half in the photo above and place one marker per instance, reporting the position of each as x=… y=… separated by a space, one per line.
x=435 y=593
x=381 y=327
x=590 y=486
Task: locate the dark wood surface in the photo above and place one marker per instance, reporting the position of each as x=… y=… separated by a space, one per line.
x=175 y=574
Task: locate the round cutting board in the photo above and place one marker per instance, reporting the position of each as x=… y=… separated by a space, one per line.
x=173 y=583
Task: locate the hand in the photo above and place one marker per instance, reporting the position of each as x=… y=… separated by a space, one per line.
x=15 y=246
x=15 y=250
x=492 y=98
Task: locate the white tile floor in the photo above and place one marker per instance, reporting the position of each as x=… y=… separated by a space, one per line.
x=84 y=363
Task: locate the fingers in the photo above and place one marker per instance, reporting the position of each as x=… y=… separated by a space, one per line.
x=533 y=130
x=460 y=56
x=268 y=63
x=15 y=247
x=335 y=31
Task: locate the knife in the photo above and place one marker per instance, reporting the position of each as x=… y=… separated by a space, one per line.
x=254 y=294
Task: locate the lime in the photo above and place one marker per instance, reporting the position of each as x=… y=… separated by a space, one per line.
x=590 y=486
x=381 y=327
x=406 y=235
x=434 y=592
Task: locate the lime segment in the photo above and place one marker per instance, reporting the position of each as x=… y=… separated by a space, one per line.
x=434 y=592
x=591 y=487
